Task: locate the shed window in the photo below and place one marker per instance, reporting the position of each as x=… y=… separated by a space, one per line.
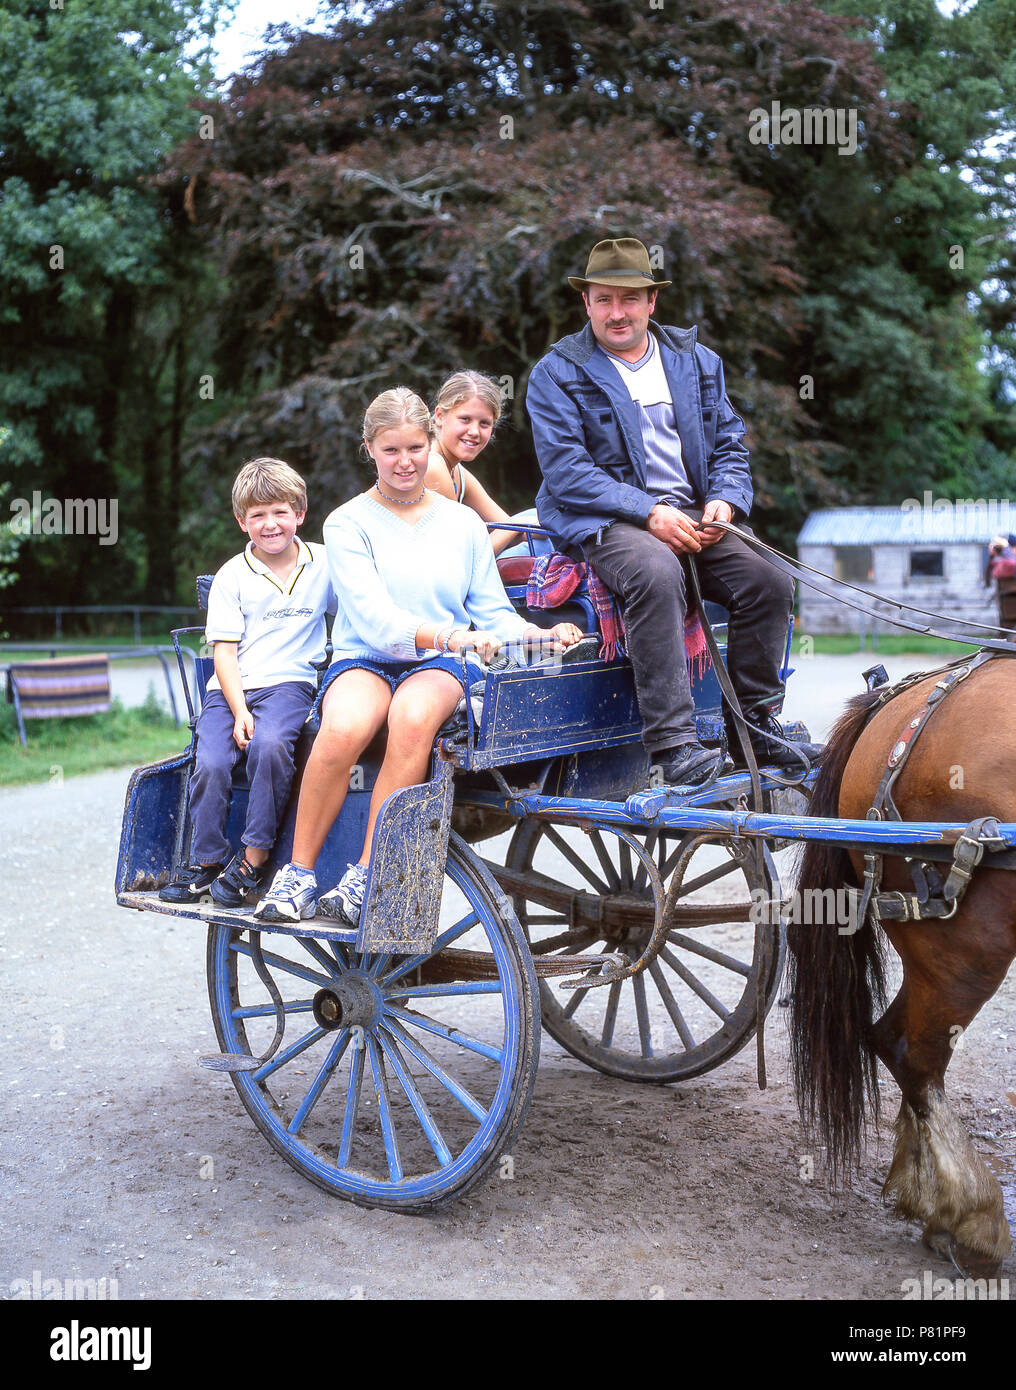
x=927 y=564
x=854 y=563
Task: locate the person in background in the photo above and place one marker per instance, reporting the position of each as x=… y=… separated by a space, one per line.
x=1001 y=568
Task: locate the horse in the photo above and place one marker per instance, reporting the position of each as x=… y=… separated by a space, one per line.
x=962 y=766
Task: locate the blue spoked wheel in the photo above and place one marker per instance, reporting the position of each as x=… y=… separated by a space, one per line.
x=415 y=1073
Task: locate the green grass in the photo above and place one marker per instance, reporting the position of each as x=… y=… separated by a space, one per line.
x=59 y=748
x=889 y=644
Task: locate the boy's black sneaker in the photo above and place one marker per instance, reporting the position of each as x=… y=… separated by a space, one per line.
x=239 y=882
x=688 y=765
x=192 y=883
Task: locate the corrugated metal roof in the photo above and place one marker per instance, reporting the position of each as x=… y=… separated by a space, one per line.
x=922 y=523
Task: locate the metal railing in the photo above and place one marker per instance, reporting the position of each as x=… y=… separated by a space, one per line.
x=135 y=609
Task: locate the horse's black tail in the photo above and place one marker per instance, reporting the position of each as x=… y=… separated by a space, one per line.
x=837 y=978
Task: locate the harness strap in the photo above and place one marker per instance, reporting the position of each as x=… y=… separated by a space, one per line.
x=967 y=855
x=901 y=749
x=931 y=897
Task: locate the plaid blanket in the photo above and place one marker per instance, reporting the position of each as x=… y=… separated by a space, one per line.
x=553 y=580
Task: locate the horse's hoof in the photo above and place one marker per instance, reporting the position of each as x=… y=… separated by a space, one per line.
x=971 y=1264
x=940 y=1241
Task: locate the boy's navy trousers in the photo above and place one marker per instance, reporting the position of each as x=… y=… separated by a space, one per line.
x=279 y=714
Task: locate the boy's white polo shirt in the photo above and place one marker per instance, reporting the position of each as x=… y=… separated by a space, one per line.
x=279 y=626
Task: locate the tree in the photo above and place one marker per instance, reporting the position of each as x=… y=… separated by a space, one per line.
x=914 y=330
x=407 y=194
x=94 y=302
x=10 y=544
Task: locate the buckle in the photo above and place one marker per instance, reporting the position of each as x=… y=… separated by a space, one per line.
x=990 y=835
x=906 y=905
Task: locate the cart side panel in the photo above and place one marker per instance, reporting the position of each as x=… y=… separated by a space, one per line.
x=152 y=827
x=550 y=710
x=585 y=707
x=155 y=835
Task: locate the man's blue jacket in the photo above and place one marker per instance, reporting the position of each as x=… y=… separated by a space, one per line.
x=589 y=442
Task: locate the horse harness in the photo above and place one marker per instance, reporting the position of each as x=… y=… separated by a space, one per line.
x=937 y=892
x=933 y=895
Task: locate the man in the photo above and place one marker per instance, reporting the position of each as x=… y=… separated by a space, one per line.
x=640 y=450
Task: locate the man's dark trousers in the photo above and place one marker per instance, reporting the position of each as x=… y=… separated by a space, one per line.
x=650 y=581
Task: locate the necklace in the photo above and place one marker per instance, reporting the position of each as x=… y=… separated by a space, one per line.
x=454 y=472
x=399 y=501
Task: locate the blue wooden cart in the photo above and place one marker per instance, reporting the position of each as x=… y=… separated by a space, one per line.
x=532 y=879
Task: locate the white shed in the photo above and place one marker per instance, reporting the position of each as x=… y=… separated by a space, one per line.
x=932 y=555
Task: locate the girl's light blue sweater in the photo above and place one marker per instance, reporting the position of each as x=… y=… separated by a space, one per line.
x=391 y=577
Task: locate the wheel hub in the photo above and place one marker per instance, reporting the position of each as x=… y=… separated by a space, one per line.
x=352 y=1001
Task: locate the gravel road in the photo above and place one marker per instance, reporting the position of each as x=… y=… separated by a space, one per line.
x=123 y=1160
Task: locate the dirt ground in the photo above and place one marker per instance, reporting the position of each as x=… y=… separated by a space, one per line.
x=124 y=1161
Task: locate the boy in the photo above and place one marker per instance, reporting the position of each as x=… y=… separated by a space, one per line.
x=266 y=620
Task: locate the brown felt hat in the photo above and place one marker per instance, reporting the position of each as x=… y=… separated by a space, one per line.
x=623 y=263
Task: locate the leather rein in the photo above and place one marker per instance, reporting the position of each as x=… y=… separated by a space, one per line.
x=822 y=583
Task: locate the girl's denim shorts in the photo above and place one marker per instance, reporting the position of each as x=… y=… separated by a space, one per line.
x=395 y=672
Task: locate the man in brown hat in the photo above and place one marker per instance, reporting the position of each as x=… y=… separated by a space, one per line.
x=640 y=449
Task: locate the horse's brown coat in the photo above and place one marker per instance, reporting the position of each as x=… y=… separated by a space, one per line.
x=963 y=766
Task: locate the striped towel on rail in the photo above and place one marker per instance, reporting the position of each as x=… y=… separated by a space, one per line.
x=65 y=685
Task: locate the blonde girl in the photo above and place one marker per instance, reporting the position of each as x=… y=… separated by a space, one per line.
x=416 y=582
x=467 y=409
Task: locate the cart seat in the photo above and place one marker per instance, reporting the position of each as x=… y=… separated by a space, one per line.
x=515 y=569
